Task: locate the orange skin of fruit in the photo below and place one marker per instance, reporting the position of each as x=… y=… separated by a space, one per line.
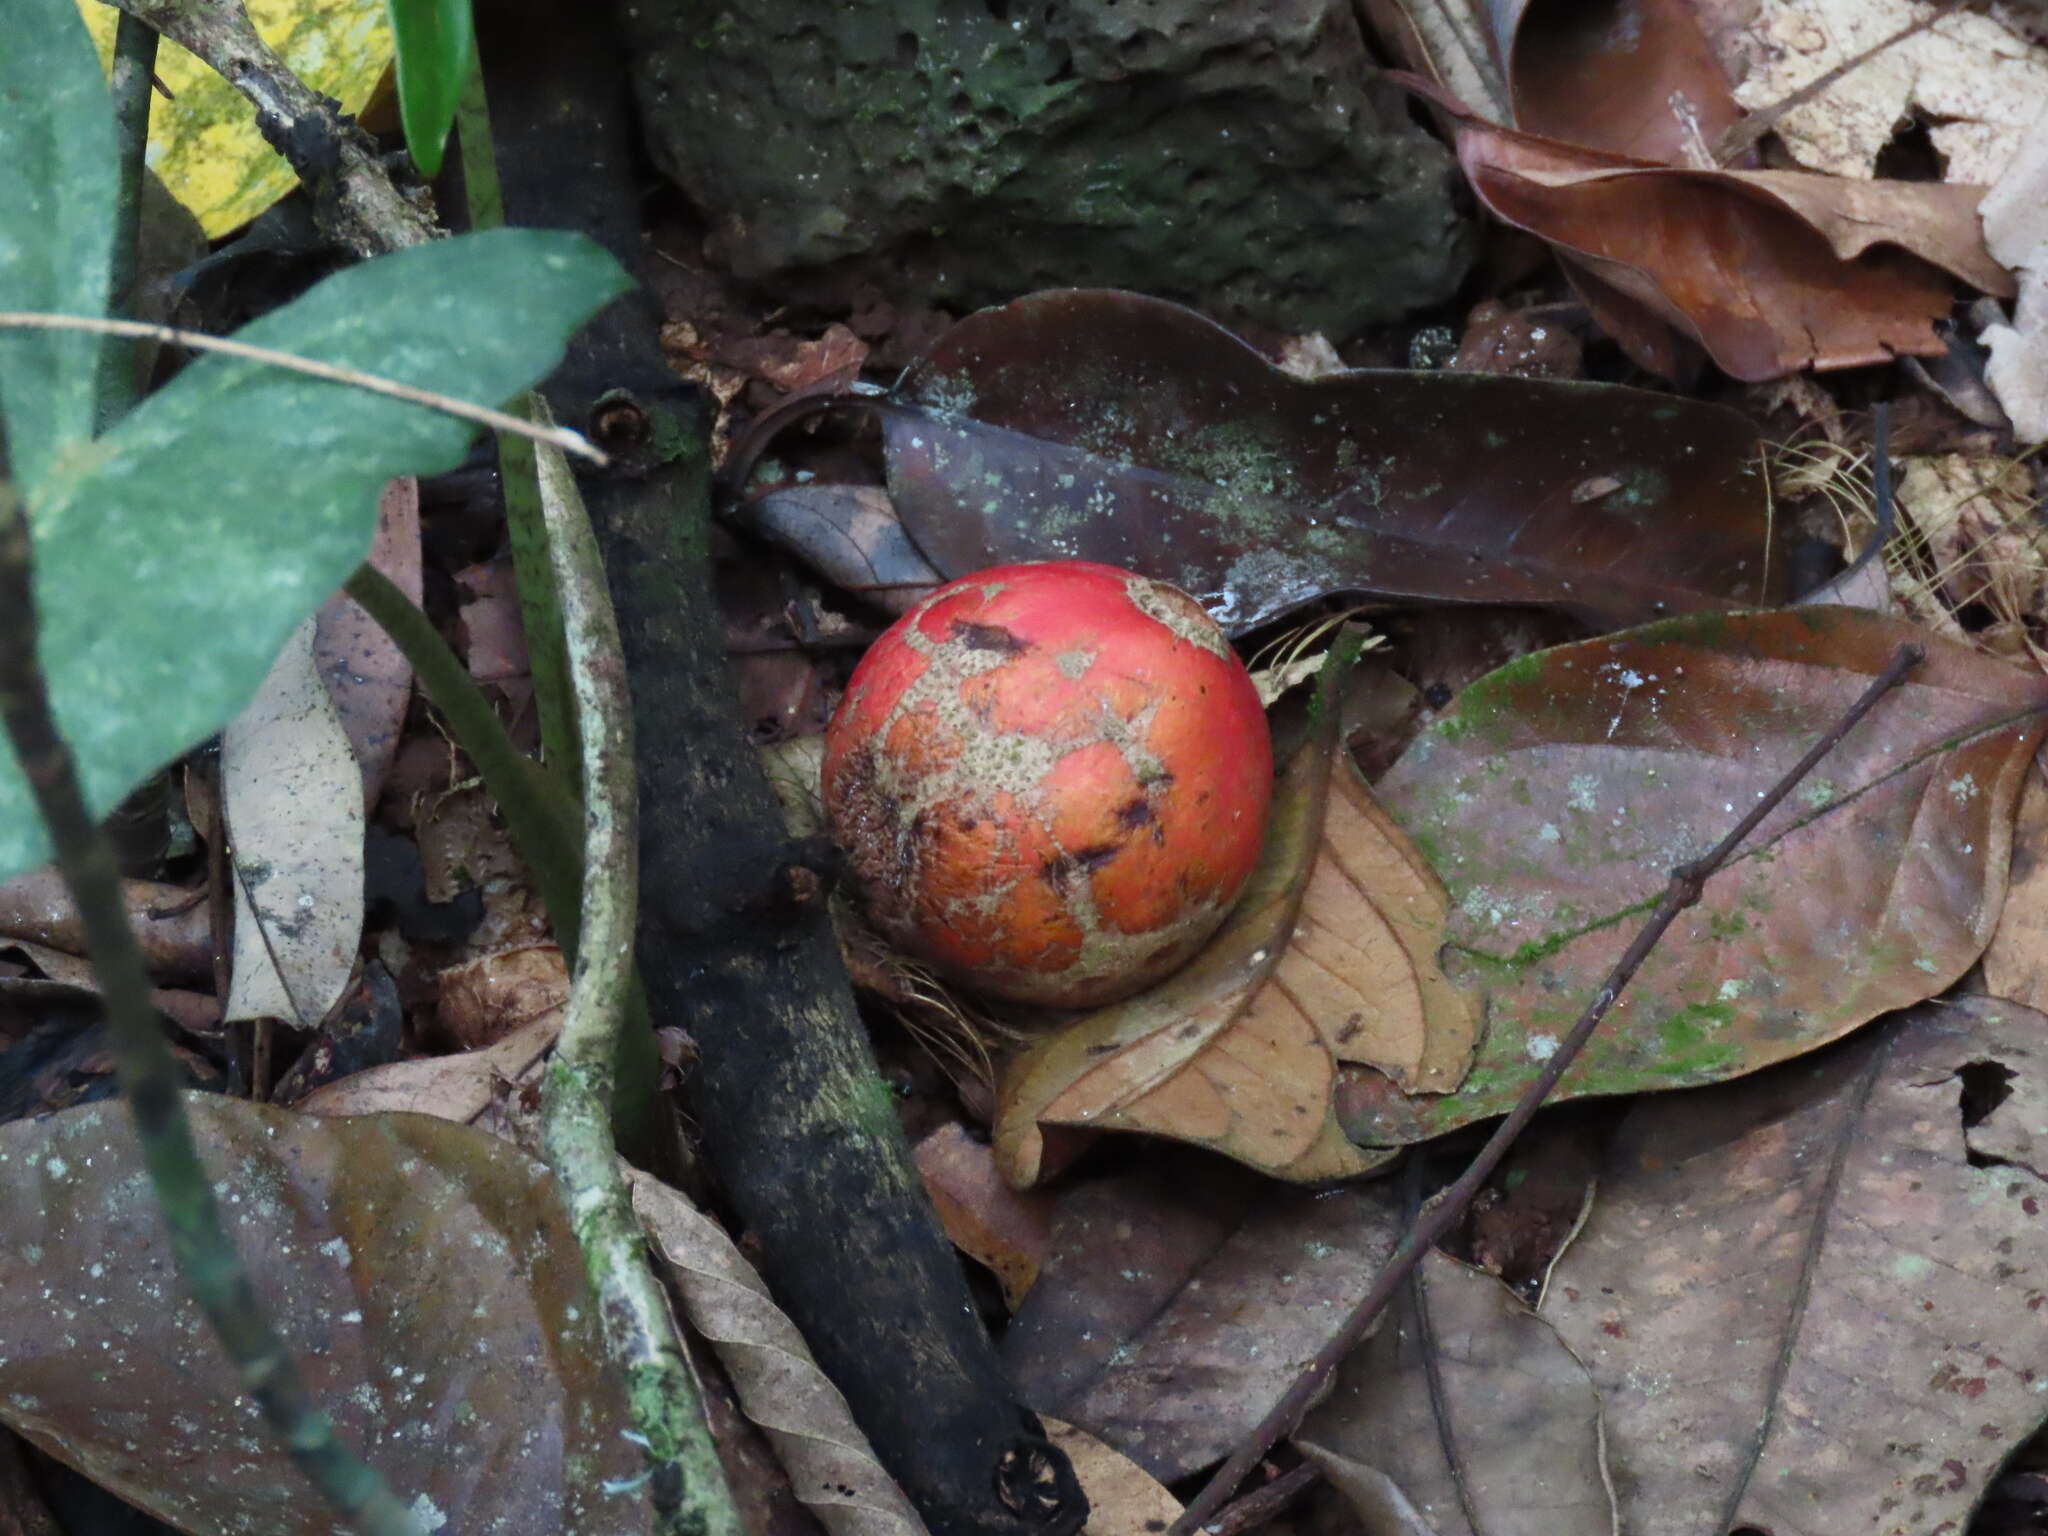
x=1051 y=781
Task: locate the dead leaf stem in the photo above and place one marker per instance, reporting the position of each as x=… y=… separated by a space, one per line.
x=149 y=1077
x=559 y=437
x=1686 y=885
x=689 y=1488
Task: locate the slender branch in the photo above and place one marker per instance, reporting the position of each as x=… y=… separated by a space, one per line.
x=354 y=199
x=1262 y=1504
x=1436 y=1218
x=121 y=360
x=689 y=1488
x=567 y=440
x=149 y=1076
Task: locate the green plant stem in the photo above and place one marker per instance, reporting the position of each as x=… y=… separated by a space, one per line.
x=149 y=1076
x=538 y=811
x=540 y=608
x=121 y=358
x=689 y=1488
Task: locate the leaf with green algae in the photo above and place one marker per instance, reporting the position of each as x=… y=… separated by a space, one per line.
x=1556 y=795
x=1100 y=425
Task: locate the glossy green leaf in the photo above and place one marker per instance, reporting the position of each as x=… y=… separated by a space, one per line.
x=56 y=217
x=436 y=47
x=175 y=554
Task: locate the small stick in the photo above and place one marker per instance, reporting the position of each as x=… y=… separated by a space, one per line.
x=1262 y=1504
x=564 y=438
x=1687 y=882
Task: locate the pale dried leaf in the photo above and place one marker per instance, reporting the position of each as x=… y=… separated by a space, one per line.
x=294 y=801
x=2015 y=214
x=489 y=1089
x=1123 y=1498
x=778 y=1383
x=1972 y=76
x=1518 y=1424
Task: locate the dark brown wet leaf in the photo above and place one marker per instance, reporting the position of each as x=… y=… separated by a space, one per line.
x=850 y=535
x=1511 y=1446
x=1556 y=795
x=1181 y=1298
x=1813 y=1302
x=1097 y=425
x=423 y=1274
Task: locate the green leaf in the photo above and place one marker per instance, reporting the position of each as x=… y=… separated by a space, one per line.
x=56 y=212
x=436 y=47
x=176 y=554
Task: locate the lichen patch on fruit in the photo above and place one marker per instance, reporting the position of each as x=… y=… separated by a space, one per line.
x=1180 y=613
x=1041 y=790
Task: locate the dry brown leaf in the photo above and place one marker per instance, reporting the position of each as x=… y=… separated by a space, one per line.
x=1770 y=271
x=2016 y=964
x=1123 y=1498
x=486 y=999
x=479 y=1088
x=779 y=1385
x=1003 y=1229
x=1330 y=957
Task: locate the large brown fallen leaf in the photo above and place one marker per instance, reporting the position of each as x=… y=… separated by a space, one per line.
x=1463 y=1414
x=1812 y=1301
x=1096 y=425
x=1770 y=271
x=1182 y=1296
x=424 y=1276
x=1330 y=956
x=1557 y=794
x=2016 y=962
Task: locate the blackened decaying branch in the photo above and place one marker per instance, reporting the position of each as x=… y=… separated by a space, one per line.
x=795 y=1118
x=354 y=199
x=1437 y=1218
x=149 y=1077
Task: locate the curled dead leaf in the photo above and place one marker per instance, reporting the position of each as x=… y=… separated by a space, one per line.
x=1329 y=957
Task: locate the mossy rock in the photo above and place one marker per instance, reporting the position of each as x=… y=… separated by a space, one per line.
x=1235 y=157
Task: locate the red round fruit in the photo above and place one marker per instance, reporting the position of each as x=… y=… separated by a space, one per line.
x=1051 y=781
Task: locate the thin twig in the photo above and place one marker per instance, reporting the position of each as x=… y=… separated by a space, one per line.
x=1262 y=1504
x=128 y=87
x=558 y=437
x=691 y=1497
x=149 y=1076
x=355 y=200
x=1742 y=136
x=1687 y=882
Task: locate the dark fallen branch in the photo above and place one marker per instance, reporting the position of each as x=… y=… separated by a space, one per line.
x=736 y=945
x=1438 y=1217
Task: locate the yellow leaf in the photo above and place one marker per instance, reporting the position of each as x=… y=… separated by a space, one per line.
x=204 y=144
